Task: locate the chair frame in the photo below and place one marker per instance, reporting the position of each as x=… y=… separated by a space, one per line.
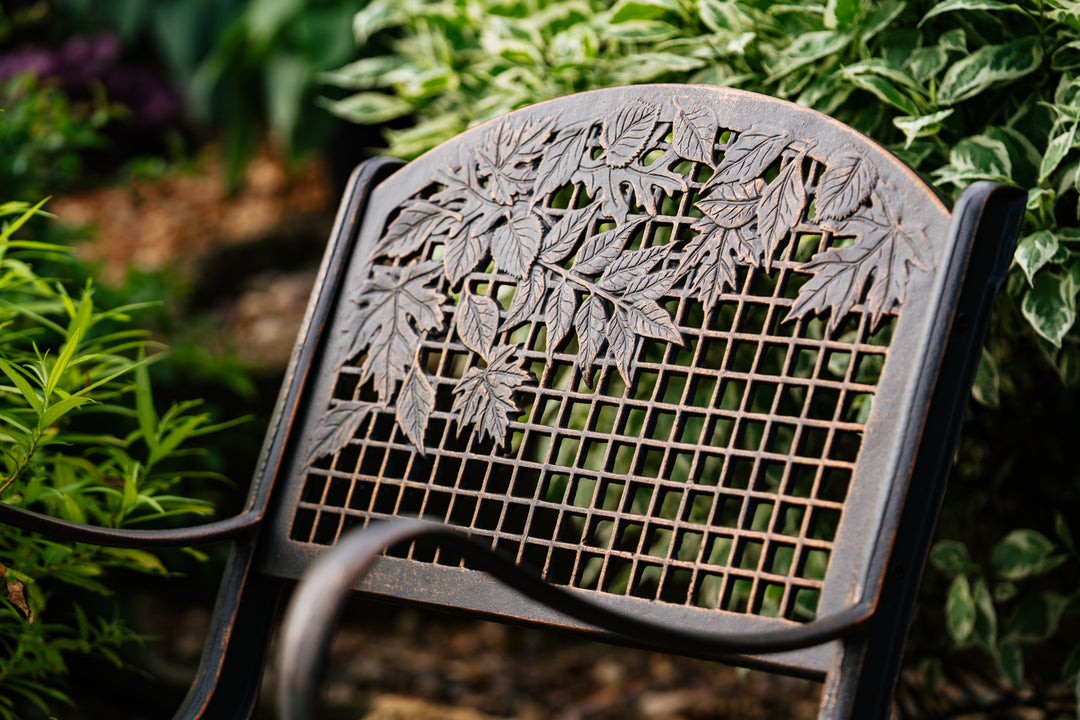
x=835 y=647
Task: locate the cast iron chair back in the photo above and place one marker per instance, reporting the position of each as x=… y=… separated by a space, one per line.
x=693 y=358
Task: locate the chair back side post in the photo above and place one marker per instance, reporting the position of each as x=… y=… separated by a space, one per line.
x=986 y=222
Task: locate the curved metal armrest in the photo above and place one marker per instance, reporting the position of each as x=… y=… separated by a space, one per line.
x=318 y=600
x=66 y=531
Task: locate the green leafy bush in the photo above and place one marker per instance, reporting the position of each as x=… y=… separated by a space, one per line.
x=81 y=440
x=963 y=90
x=43 y=135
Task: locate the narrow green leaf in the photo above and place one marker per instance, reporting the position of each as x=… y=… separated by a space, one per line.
x=1071 y=667
x=885 y=91
x=377 y=15
x=807 y=48
x=959 y=610
x=988 y=66
x=80 y=323
x=144 y=405
x=28 y=393
x=1061 y=529
x=927 y=62
x=1034 y=251
x=883 y=16
x=10 y=229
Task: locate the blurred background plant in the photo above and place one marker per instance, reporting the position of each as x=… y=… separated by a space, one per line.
x=82 y=440
x=963 y=90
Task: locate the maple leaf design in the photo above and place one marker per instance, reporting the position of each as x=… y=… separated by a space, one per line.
x=395 y=307
x=874 y=270
x=507 y=159
x=484 y=397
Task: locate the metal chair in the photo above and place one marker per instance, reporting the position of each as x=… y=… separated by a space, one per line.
x=678 y=367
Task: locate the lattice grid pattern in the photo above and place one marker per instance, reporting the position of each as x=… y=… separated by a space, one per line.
x=716 y=478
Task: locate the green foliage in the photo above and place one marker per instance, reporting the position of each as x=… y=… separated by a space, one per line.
x=261 y=72
x=43 y=134
x=81 y=440
x=963 y=90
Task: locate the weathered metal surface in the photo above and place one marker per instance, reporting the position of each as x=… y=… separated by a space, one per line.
x=635 y=339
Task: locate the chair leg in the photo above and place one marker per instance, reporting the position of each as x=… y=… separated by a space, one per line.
x=227 y=684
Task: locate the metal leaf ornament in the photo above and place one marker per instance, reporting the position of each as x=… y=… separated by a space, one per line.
x=588 y=271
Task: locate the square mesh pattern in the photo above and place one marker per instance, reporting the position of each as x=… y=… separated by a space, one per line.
x=716 y=478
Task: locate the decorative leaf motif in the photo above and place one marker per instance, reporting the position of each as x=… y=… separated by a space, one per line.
x=338 y=427
x=527 y=298
x=733 y=204
x=631 y=266
x=602 y=249
x=559 y=242
x=623 y=342
x=417 y=222
x=628 y=134
x=749 y=156
x=506 y=158
x=693 y=133
x=560 y=160
x=515 y=245
x=781 y=207
x=649 y=319
x=713 y=267
x=396 y=306
x=484 y=397
x=590 y=322
x=476 y=322
x=846 y=184
x=877 y=265
x=414 y=405
x=463 y=253
x=504 y=202
x=559 y=315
